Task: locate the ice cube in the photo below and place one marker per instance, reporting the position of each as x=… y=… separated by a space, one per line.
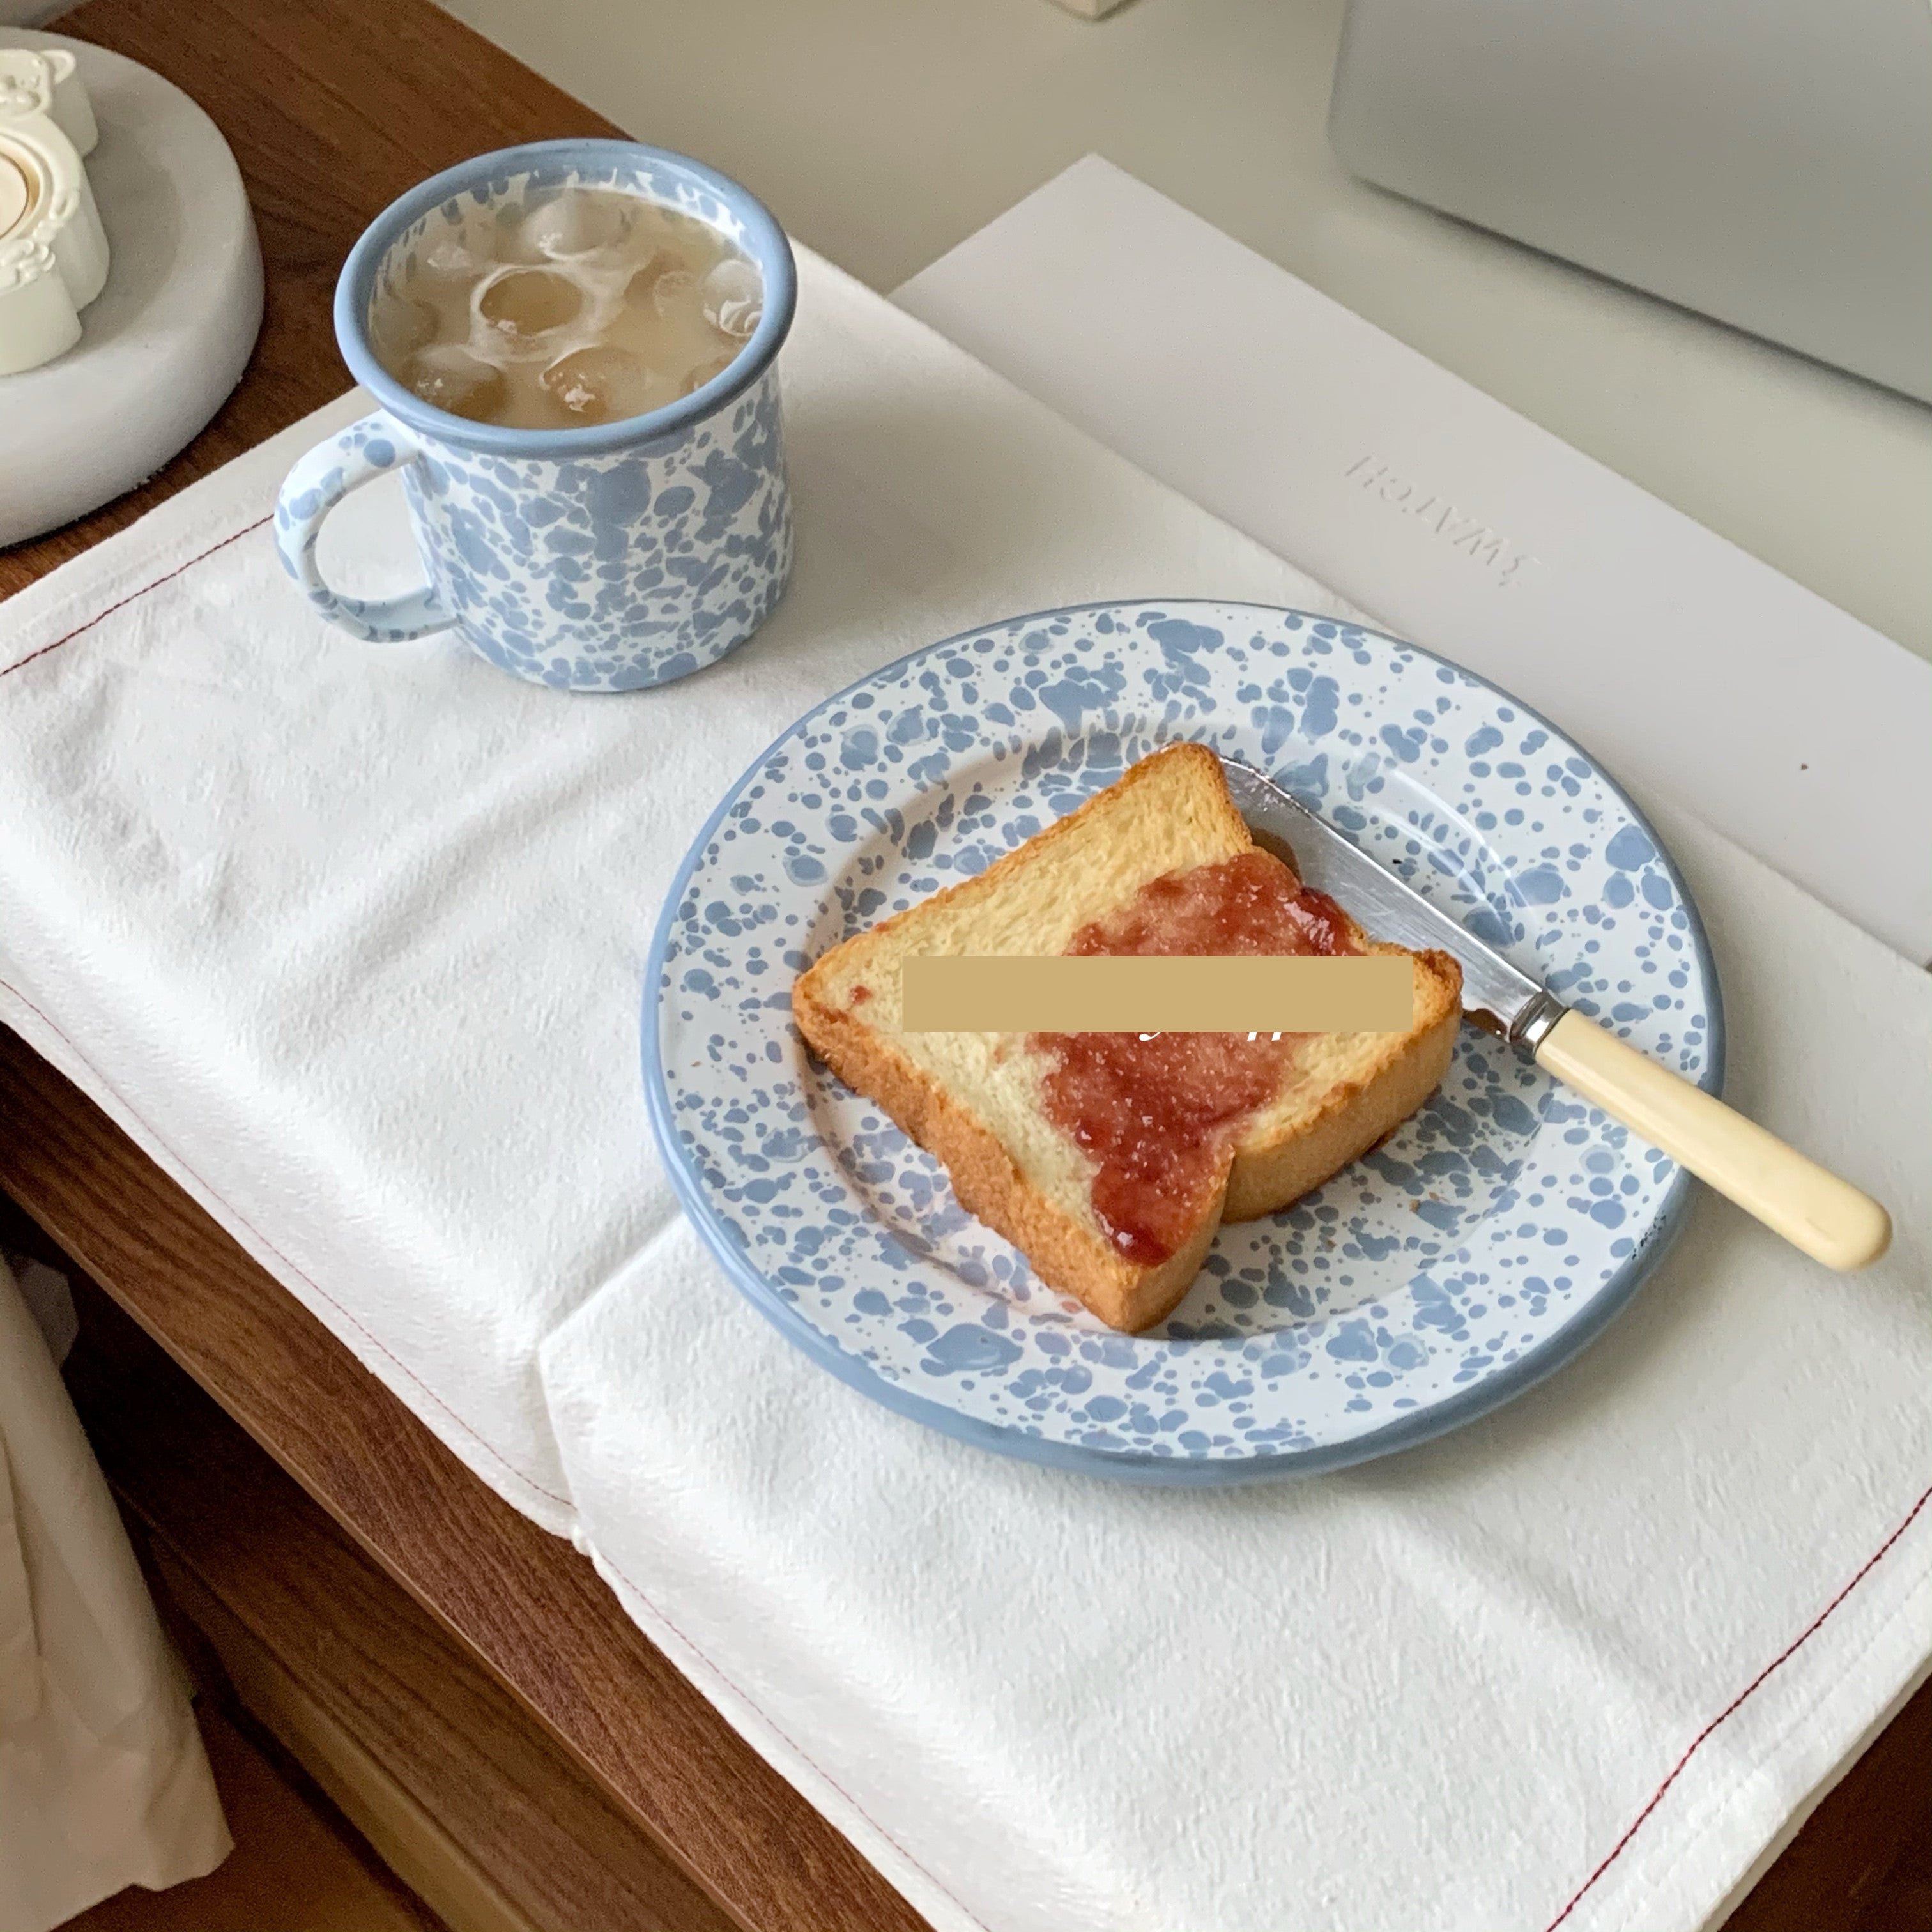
x=643 y=286
x=449 y=257
x=672 y=289
x=517 y=303
x=398 y=327
x=601 y=383
x=733 y=295
x=449 y=377
x=576 y=223
x=705 y=371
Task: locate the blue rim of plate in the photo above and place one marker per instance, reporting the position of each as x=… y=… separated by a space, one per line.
x=1440 y=1418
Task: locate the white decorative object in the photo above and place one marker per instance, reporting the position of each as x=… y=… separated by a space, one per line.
x=140 y=367
x=53 y=250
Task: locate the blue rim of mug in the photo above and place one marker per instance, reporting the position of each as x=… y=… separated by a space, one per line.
x=767 y=245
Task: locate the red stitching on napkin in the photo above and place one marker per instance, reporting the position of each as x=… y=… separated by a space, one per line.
x=134 y=596
x=402 y=1368
x=1809 y=1629
x=1616 y=1852
x=429 y=1394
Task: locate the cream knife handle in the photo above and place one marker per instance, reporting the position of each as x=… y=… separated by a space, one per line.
x=1809 y=1206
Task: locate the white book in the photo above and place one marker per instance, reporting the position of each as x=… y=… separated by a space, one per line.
x=1692 y=669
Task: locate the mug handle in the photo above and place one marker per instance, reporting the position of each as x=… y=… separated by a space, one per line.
x=357 y=455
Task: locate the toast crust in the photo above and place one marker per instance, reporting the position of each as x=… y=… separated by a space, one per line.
x=1271 y=1170
x=1066 y=1255
x=1288 y=1149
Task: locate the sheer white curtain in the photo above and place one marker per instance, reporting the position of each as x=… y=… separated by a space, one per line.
x=103 y=1782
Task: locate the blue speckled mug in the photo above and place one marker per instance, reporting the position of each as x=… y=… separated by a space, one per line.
x=601 y=558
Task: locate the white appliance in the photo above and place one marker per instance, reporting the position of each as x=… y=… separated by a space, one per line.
x=1766 y=162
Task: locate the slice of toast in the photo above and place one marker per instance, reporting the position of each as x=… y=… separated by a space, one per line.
x=977 y=1100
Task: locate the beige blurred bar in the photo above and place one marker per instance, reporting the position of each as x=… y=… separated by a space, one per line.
x=970 y=994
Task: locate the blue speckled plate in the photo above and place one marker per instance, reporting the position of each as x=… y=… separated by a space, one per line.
x=1475 y=1252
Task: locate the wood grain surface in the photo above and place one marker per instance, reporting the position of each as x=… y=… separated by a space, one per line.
x=333 y=108
x=523 y=1603
x=548 y=1839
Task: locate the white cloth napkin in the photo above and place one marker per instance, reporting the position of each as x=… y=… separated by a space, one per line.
x=103 y=1782
x=351 y=937
x=1439 y=1691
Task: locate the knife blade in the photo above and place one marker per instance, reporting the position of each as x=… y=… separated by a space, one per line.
x=1496 y=996
x=1812 y=1207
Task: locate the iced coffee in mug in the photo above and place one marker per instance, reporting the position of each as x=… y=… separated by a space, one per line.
x=573 y=344
x=594 y=306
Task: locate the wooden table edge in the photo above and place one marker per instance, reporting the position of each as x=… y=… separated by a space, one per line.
x=320 y=160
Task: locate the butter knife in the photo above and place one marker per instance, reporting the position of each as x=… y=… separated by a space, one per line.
x=1814 y=1210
